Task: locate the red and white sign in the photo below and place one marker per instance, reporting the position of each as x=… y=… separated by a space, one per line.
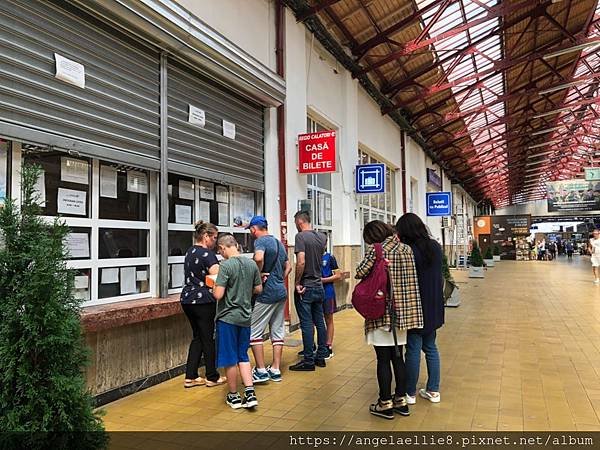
x=317 y=152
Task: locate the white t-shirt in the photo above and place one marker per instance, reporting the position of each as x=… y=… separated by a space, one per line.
x=595 y=244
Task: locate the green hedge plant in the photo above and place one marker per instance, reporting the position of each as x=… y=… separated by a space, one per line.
x=43 y=394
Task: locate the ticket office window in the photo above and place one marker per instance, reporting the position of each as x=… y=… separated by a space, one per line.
x=230 y=208
x=107 y=208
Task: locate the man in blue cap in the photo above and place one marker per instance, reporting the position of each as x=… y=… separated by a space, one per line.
x=272 y=260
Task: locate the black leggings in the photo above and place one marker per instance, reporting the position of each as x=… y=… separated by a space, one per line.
x=202 y=320
x=387 y=359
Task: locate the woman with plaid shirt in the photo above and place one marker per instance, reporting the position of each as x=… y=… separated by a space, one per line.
x=408 y=312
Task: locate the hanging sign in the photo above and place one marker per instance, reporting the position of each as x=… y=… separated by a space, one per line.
x=439 y=203
x=592 y=173
x=370 y=178
x=433 y=178
x=316 y=152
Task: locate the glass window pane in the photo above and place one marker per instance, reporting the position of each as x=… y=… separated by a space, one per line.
x=64 y=186
x=131 y=280
x=181 y=199
x=83 y=283
x=243 y=206
x=78 y=243
x=131 y=202
x=122 y=243
x=3 y=171
x=324 y=181
x=179 y=242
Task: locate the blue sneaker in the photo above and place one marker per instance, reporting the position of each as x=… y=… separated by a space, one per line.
x=259 y=377
x=273 y=376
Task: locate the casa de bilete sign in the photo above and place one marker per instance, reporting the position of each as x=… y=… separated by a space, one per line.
x=316 y=152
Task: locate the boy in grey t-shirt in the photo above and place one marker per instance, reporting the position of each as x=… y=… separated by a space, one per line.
x=237 y=280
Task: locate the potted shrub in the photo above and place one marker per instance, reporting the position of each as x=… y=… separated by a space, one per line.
x=496 y=254
x=451 y=296
x=476 y=267
x=489 y=258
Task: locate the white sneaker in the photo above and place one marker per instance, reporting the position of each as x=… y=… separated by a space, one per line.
x=411 y=399
x=597 y=281
x=433 y=397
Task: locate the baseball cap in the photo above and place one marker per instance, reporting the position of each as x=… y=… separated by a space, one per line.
x=258 y=221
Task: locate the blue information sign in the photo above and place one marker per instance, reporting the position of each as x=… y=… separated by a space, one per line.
x=439 y=204
x=370 y=178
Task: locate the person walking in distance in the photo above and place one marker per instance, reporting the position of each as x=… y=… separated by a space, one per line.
x=237 y=280
x=569 y=248
x=330 y=274
x=269 y=308
x=594 y=250
x=199 y=306
x=309 y=293
x=405 y=313
x=428 y=260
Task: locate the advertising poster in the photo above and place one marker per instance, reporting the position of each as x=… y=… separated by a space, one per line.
x=573 y=195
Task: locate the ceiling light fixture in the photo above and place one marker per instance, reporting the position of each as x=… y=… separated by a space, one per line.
x=560 y=87
x=575 y=48
x=535 y=155
x=543 y=144
x=549 y=113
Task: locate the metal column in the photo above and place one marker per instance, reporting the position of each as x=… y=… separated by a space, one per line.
x=163 y=194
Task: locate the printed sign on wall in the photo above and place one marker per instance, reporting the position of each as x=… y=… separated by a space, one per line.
x=316 y=152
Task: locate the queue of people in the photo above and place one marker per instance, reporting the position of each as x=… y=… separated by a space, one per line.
x=229 y=305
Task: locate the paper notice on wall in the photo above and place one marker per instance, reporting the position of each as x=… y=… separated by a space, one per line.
x=196 y=116
x=141 y=275
x=228 y=129
x=137 y=182
x=222 y=194
x=72 y=202
x=109 y=276
x=207 y=190
x=177 y=275
x=74 y=170
x=321 y=210
x=183 y=214
x=82 y=282
x=40 y=190
x=242 y=206
x=69 y=71
x=128 y=285
x=108 y=182
x=78 y=245
x=223 y=214
x=204 y=211
x=186 y=190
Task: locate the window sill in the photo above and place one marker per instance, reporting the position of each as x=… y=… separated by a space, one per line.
x=114 y=315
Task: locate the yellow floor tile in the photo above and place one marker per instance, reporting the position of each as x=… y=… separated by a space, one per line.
x=520 y=353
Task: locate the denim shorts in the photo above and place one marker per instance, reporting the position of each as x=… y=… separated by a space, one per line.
x=232 y=342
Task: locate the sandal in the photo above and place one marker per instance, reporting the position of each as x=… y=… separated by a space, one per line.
x=383 y=409
x=221 y=380
x=193 y=383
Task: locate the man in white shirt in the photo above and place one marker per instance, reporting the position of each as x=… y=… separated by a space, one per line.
x=594 y=248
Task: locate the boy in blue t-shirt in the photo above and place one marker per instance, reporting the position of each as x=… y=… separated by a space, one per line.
x=329 y=274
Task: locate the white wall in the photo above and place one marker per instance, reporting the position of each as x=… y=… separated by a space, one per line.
x=250 y=24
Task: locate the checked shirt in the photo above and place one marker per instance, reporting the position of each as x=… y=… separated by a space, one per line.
x=405 y=284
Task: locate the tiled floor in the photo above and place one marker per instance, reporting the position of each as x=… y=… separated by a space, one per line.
x=521 y=353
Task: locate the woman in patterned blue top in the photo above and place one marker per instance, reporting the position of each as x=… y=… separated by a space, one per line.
x=199 y=305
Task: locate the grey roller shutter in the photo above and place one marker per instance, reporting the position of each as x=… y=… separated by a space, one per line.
x=203 y=151
x=116 y=115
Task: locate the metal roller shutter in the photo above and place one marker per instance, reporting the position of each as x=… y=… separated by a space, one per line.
x=116 y=115
x=203 y=151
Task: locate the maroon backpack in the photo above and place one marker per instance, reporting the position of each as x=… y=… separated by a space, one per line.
x=370 y=294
